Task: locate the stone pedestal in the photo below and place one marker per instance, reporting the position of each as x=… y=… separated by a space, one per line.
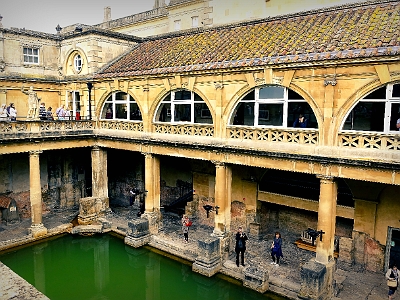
x=138 y=234
x=256 y=279
x=209 y=260
x=91 y=208
x=154 y=221
x=37 y=230
x=317 y=281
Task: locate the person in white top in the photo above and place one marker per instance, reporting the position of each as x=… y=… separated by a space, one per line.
x=392 y=274
x=12 y=112
x=3 y=113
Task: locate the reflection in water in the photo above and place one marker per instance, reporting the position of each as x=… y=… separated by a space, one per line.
x=103 y=267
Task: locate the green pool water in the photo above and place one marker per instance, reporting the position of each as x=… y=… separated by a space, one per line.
x=103 y=267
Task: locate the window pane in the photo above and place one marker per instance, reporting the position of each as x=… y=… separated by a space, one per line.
x=120 y=111
x=183 y=95
x=136 y=115
x=121 y=96
x=378 y=94
x=250 y=96
x=36 y=60
x=25 y=50
x=292 y=95
x=202 y=114
x=272 y=92
x=271 y=114
x=107 y=112
x=164 y=113
x=35 y=51
x=244 y=114
x=396 y=91
x=395 y=117
x=366 y=116
x=182 y=113
x=295 y=109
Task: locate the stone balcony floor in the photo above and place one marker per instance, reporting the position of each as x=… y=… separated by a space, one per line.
x=354 y=283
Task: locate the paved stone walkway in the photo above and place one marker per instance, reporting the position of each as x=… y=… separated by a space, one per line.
x=353 y=283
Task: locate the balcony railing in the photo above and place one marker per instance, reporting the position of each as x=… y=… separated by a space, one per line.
x=185 y=129
x=122 y=125
x=309 y=136
x=369 y=140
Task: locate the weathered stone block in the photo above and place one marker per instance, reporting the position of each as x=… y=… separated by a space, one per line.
x=317 y=281
x=138 y=228
x=255 y=231
x=208 y=262
x=256 y=279
x=346 y=249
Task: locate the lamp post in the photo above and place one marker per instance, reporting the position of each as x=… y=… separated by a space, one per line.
x=90 y=86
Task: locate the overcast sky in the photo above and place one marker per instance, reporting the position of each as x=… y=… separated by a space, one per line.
x=44 y=15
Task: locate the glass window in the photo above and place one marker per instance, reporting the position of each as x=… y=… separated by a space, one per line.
x=121 y=106
x=379 y=111
x=195 y=22
x=273 y=106
x=183 y=106
x=31 y=55
x=78 y=63
x=177 y=25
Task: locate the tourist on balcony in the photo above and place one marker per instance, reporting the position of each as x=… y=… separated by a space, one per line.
x=392 y=275
x=240 y=246
x=398 y=123
x=42 y=111
x=109 y=113
x=3 y=113
x=276 y=249
x=12 y=112
x=301 y=122
x=60 y=112
x=67 y=114
x=49 y=114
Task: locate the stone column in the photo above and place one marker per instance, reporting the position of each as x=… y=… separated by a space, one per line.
x=223 y=196
x=326 y=219
x=99 y=173
x=152 y=191
x=317 y=275
x=37 y=229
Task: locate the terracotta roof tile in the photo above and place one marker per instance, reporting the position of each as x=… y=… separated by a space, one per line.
x=347 y=32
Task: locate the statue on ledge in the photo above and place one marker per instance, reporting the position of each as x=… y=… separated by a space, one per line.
x=33 y=103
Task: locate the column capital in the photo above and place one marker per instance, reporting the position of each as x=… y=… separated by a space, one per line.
x=148 y=154
x=325 y=178
x=96 y=148
x=218 y=164
x=35 y=152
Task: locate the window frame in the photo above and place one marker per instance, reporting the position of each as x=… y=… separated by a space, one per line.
x=284 y=101
x=32 y=55
x=78 y=58
x=114 y=102
x=388 y=101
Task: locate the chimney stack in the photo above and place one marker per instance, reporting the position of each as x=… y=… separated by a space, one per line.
x=107 y=14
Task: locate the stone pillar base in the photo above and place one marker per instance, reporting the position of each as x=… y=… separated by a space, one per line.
x=209 y=260
x=87 y=219
x=256 y=279
x=317 y=281
x=138 y=234
x=137 y=242
x=37 y=230
x=207 y=267
x=154 y=219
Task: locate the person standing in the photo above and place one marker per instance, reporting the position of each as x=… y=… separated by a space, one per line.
x=392 y=275
x=186 y=223
x=3 y=113
x=276 y=249
x=12 y=112
x=240 y=246
x=301 y=122
x=42 y=111
x=60 y=112
x=49 y=114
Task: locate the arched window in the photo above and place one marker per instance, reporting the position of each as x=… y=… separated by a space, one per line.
x=183 y=106
x=78 y=63
x=273 y=106
x=378 y=111
x=121 y=106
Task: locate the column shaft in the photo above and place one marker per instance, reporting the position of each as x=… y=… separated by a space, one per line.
x=35 y=188
x=152 y=183
x=99 y=173
x=326 y=219
x=223 y=195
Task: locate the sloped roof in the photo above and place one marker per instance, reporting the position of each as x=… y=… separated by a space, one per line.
x=353 y=31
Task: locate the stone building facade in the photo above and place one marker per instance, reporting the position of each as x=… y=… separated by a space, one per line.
x=219 y=108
